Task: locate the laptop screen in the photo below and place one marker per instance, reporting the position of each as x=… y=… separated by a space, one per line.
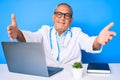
x=27 y=58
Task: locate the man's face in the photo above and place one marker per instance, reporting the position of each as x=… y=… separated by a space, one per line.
x=62 y=18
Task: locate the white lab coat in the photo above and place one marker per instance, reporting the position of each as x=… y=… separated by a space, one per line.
x=72 y=44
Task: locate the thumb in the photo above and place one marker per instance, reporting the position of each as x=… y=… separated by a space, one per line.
x=109 y=26
x=13 y=20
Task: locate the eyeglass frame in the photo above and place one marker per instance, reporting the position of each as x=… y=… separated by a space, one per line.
x=61 y=14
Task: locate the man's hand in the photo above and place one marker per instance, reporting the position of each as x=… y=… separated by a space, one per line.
x=104 y=37
x=12 y=28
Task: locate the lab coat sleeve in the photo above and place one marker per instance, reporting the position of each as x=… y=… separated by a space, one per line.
x=32 y=36
x=86 y=43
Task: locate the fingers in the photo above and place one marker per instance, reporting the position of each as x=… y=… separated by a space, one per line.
x=9 y=29
x=105 y=35
x=13 y=19
x=109 y=26
x=107 y=40
x=108 y=37
x=112 y=33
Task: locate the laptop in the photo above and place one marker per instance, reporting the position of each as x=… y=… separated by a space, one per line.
x=27 y=58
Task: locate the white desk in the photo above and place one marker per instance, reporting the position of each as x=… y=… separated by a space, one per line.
x=66 y=74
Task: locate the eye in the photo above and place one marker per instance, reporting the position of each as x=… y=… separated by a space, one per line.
x=68 y=15
x=58 y=14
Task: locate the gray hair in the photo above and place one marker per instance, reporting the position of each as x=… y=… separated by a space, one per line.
x=66 y=5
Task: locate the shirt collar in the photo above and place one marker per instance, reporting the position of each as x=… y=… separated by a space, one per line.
x=63 y=34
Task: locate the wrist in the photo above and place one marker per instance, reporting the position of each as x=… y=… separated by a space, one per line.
x=96 y=44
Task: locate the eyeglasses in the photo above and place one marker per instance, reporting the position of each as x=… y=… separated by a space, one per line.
x=60 y=14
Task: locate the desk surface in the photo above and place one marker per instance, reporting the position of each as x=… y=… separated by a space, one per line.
x=66 y=74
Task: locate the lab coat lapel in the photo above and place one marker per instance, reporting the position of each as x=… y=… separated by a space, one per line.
x=69 y=44
x=54 y=50
x=66 y=50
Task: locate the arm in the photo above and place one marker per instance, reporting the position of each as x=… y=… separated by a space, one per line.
x=14 y=32
x=20 y=37
x=104 y=37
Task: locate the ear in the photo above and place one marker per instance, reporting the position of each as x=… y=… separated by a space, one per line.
x=53 y=17
x=71 y=20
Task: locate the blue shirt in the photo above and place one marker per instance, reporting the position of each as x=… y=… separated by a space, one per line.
x=60 y=42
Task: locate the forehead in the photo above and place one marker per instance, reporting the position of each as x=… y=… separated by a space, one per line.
x=63 y=8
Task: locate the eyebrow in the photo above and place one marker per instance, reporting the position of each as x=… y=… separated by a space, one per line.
x=62 y=12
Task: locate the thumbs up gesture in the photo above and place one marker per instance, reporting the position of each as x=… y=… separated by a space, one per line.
x=12 y=28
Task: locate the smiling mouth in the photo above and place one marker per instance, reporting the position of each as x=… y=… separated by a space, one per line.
x=61 y=22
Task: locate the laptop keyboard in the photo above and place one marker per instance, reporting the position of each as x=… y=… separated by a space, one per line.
x=54 y=70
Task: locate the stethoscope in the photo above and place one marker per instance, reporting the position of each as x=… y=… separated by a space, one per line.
x=50 y=34
x=51 y=46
